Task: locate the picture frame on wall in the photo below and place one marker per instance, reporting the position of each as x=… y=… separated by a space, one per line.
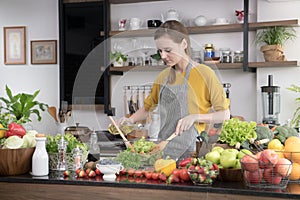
x=15 y=45
x=44 y=52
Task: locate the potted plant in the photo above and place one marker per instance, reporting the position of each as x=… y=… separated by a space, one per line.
x=296 y=117
x=21 y=106
x=118 y=58
x=157 y=57
x=274 y=39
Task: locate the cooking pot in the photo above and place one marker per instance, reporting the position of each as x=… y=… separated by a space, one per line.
x=82 y=133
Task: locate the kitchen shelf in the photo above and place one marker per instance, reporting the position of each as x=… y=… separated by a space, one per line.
x=131 y=1
x=227 y=28
x=221 y=66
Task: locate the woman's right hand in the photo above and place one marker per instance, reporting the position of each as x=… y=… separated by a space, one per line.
x=124 y=120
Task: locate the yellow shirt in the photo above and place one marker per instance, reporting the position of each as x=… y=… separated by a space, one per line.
x=205 y=91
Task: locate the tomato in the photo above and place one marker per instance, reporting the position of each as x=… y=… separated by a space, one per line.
x=162 y=177
x=98 y=172
x=138 y=173
x=148 y=175
x=176 y=172
x=155 y=175
x=123 y=171
x=131 y=172
x=184 y=175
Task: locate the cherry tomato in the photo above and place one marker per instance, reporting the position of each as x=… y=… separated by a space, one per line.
x=148 y=175
x=155 y=175
x=131 y=172
x=176 y=172
x=138 y=173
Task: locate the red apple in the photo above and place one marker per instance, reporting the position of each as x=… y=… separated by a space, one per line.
x=253 y=177
x=283 y=167
x=268 y=158
x=249 y=163
x=271 y=176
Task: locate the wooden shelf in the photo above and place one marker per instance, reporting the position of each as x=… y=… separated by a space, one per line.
x=221 y=66
x=131 y=1
x=227 y=28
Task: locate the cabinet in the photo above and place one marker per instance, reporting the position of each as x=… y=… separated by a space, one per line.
x=244 y=28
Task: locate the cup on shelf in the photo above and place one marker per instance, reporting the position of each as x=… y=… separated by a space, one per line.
x=122 y=24
x=135 y=23
x=221 y=20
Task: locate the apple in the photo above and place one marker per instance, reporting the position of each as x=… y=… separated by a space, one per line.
x=243 y=152
x=237 y=164
x=271 y=176
x=235 y=151
x=253 y=177
x=228 y=159
x=283 y=167
x=213 y=156
x=218 y=148
x=268 y=158
x=250 y=163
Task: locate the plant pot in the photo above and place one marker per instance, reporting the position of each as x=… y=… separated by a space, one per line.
x=273 y=53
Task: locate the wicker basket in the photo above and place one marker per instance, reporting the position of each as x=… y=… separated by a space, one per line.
x=230 y=175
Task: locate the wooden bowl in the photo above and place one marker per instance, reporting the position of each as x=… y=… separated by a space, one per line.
x=15 y=161
x=230 y=175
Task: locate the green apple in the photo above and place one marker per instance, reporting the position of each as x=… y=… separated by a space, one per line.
x=244 y=152
x=213 y=156
x=237 y=164
x=228 y=159
x=234 y=151
x=217 y=148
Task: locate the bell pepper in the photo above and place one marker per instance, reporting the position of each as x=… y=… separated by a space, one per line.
x=15 y=129
x=184 y=162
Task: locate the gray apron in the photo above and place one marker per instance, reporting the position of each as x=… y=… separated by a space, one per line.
x=173 y=106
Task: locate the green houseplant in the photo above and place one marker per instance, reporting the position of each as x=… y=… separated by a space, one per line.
x=21 y=106
x=118 y=58
x=273 y=39
x=296 y=117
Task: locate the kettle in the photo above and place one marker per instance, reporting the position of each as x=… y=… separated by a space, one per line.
x=171 y=14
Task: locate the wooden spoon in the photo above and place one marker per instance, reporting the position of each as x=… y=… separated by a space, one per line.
x=127 y=143
x=52 y=112
x=160 y=146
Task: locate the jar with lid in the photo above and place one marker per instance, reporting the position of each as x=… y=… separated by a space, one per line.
x=40 y=159
x=238 y=56
x=209 y=52
x=226 y=57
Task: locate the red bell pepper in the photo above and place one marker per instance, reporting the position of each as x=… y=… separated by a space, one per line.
x=184 y=162
x=15 y=129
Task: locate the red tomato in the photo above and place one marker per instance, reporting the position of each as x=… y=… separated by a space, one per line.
x=123 y=171
x=148 y=175
x=155 y=175
x=131 y=172
x=184 y=175
x=138 y=173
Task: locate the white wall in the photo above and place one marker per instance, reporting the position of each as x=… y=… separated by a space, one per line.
x=41 y=20
x=284 y=76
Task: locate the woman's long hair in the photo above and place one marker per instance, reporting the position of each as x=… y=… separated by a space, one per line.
x=176 y=31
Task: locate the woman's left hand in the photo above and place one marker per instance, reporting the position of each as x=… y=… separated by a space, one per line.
x=185 y=123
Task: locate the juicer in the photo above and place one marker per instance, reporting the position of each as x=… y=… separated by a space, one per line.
x=270 y=102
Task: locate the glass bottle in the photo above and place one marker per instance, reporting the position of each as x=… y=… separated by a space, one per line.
x=77 y=155
x=238 y=56
x=209 y=52
x=40 y=159
x=94 y=146
x=226 y=57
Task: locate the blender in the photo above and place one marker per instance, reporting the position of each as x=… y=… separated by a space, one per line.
x=270 y=102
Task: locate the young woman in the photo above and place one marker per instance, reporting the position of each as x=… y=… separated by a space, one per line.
x=186 y=93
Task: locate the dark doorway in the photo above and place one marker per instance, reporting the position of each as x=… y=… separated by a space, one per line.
x=80 y=27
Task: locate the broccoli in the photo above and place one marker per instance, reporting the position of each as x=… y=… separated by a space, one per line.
x=263 y=132
x=283 y=132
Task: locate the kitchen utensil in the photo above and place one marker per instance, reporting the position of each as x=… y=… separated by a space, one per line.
x=52 y=112
x=82 y=133
x=270 y=102
x=127 y=143
x=160 y=146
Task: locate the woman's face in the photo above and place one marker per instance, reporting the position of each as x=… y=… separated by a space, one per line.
x=170 y=52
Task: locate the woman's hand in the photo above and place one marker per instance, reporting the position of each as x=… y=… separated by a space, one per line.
x=124 y=120
x=185 y=123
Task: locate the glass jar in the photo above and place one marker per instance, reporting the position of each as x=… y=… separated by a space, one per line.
x=226 y=57
x=238 y=56
x=209 y=52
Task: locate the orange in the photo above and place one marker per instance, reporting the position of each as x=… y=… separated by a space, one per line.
x=295 y=174
x=291 y=139
x=2 y=132
x=292 y=151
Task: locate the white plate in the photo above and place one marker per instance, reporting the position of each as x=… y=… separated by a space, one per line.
x=220 y=23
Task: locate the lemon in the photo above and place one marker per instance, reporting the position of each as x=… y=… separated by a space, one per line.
x=13 y=142
x=2 y=132
x=275 y=144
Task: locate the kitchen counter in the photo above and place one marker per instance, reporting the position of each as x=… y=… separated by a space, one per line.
x=55 y=186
